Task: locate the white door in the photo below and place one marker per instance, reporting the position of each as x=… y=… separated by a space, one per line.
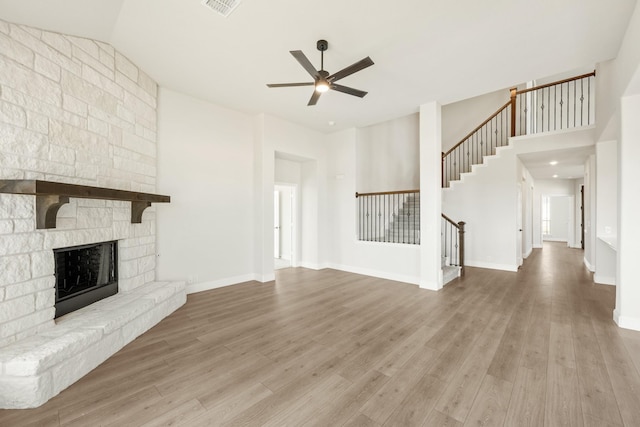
x=519 y=226
x=276 y=224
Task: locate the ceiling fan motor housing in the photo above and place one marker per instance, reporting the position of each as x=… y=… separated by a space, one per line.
x=322 y=45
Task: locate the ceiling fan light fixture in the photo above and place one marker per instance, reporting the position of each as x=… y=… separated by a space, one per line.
x=322 y=86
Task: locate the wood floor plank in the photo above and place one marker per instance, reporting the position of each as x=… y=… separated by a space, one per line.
x=563 y=407
x=491 y=403
x=382 y=405
x=438 y=419
x=350 y=401
x=331 y=348
x=527 y=403
x=457 y=399
x=416 y=406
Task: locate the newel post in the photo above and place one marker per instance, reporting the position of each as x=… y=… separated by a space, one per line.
x=514 y=94
x=461 y=246
x=442 y=171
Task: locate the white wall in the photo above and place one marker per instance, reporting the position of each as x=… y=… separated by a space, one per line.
x=590 y=212
x=460 y=118
x=627 y=312
x=344 y=251
x=205 y=158
x=487 y=202
x=388 y=156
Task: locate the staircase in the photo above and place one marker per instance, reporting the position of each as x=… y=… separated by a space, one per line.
x=560 y=105
x=405 y=224
x=394 y=217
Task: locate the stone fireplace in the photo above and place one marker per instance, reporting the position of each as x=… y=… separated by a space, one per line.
x=76 y=111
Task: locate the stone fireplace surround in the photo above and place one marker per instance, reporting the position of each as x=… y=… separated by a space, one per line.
x=72 y=110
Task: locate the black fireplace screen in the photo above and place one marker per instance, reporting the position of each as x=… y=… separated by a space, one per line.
x=84 y=275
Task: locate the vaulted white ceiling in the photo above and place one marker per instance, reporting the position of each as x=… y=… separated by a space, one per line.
x=424 y=50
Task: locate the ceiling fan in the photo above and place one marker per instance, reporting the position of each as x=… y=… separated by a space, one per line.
x=323 y=81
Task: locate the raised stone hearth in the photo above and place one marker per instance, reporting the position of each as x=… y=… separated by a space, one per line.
x=35 y=369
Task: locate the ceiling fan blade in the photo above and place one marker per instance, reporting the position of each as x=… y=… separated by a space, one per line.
x=314 y=98
x=348 y=90
x=353 y=68
x=290 y=84
x=304 y=61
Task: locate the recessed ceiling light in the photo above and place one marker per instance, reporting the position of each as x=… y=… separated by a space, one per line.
x=553 y=162
x=555 y=176
x=331 y=123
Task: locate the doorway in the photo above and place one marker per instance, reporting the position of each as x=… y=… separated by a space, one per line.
x=558 y=219
x=284 y=196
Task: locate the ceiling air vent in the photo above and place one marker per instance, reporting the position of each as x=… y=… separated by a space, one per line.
x=223 y=7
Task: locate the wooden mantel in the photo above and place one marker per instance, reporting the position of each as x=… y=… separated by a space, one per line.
x=50 y=196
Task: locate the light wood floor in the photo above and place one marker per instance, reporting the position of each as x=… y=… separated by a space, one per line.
x=329 y=348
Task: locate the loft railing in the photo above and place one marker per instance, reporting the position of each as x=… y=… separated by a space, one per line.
x=564 y=104
x=390 y=216
x=452 y=240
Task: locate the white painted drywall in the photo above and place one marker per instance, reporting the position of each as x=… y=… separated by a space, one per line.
x=205 y=156
x=606 y=210
x=430 y=196
x=590 y=212
x=460 y=118
x=388 y=156
x=344 y=251
x=627 y=312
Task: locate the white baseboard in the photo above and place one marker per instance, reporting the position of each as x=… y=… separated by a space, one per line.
x=626 y=322
x=376 y=273
x=555 y=239
x=604 y=280
x=590 y=267
x=528 y=253
x=491 y=265
x=311 y=265
x=537 y=246
x=228 y=281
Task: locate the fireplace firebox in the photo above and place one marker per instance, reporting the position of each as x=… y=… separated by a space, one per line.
x=85 y=274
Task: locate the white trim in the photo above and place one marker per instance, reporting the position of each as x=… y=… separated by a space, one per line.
x=604 y=280
x=555 y=239
x=491 y=265
x=311 y=265
x=220 y=283
x=537 y=246
x=376 y=273
x=528 y=252
x=590 y=267
x=625 y=322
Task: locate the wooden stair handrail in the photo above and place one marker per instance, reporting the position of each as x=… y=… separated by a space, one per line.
x=514 y=92
x=386 y=192
x=477 y=128
x=559 y=82
x=451 y=221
